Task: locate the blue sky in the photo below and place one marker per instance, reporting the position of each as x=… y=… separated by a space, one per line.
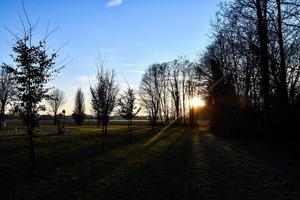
x=132 y=34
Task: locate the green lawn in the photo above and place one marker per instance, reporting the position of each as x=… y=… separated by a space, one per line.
x=182 y=163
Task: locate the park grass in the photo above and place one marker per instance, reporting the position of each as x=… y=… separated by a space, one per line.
x=182 y=163
x=55 y=153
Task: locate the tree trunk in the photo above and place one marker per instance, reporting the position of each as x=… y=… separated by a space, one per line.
x=130 y=131
x=32 y=150
x=58 y=129
x=262 y=27
x=55 y=118
x=283 y=93
x=2 y=113
x=183 y=100
x=103 y=137
x=98 y=122
x=177 y=107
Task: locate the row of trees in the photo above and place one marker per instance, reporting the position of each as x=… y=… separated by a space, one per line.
x=9 y=95
x=252 y=66
x=167 y=90
x=249 y=73
x=105 y=100
x=24 y=86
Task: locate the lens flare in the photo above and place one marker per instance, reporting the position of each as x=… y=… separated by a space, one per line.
x=198 y=102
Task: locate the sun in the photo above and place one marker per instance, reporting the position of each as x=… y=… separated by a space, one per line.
x=198 y=102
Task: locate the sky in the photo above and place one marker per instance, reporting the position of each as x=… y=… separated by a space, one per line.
x=130 y=34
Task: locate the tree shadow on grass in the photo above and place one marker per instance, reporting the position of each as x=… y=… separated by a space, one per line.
x=162 y=174
x=60 y=164
x=235 y=174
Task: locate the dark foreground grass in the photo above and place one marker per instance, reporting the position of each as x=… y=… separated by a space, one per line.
x=183 y=163
x=61 y=159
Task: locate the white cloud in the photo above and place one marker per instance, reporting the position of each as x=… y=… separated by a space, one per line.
x=136 y=71
x=113 y=3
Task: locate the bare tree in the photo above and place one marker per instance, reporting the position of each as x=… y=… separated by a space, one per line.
x=55 y=101
x=256 y=47
x=250 y=73
x=174 y=80
x=149 y=93
x=7 y=90
x=166 y=89
x=165 y=96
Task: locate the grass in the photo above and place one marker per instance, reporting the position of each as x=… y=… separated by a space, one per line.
x=17 y=130
x=182 y=163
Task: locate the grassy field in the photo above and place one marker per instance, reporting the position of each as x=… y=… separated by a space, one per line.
x=49 y=128
x=182 y=163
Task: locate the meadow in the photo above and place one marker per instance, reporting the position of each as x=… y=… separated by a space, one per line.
x=183 y=162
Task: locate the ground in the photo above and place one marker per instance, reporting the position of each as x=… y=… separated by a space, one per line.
x=181 y=163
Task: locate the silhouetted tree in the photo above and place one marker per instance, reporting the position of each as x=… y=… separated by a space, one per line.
x=255 y=43
x=104 y=94
x=165 y=95
x=79 y=108
x=55 y=101
x=35 y=67
x=174 y=80
x=166 y=89
x=127 y=109
x=7 y=90
x=149 y=93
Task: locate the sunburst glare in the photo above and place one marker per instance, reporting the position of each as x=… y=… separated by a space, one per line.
x=198 y=102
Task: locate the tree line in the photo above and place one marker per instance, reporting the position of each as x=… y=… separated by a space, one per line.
x=249 y=73
x=252 y=68
x=167 y=90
